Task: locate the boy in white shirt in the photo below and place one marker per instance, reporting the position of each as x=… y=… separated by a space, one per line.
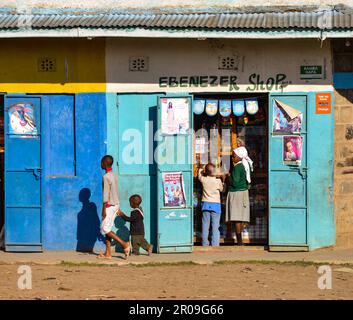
x=110 y=208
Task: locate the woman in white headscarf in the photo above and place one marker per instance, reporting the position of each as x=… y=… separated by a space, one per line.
x=238 y=204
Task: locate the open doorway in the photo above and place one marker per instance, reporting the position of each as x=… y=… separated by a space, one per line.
x=2 y=182
x=231 y=131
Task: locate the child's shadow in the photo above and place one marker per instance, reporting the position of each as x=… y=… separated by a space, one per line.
x=122 y=232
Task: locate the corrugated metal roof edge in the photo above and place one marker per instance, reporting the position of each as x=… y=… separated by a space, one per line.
x=42 y=20
x=178 y=29
x=184 y=10
x=322 y=20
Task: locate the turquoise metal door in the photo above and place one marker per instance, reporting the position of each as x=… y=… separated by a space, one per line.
x=135 y=124
x=174 y=174
x=23 y=222
x=288 y=170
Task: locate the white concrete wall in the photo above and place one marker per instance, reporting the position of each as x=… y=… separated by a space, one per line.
x=180 y=57
x=167 y=3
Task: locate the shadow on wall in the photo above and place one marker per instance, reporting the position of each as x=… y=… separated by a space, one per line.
x=88 y=223
x=122 y=231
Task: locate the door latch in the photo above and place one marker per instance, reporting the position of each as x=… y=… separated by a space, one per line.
x=303 y=172
x=36 y=172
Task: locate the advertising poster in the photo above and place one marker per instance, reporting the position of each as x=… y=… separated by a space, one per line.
x=252 y=106
x=173 y=186
x=175 y=115
x=225 y=108
x=292 y=150
x=21 y=119
x=211 y=107
x=199 y=106
x=238 y=107
x=323 y=103
x=200 y=145
x=286 y=119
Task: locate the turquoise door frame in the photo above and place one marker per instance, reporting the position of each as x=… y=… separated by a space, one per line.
x=174 y=153
x=132 y=123
x=301 y=211
x=287 y=183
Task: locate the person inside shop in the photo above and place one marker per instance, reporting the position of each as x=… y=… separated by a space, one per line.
x=237 y=203
x=211 y=204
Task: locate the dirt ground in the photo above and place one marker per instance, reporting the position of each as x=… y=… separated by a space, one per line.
x=223 y=281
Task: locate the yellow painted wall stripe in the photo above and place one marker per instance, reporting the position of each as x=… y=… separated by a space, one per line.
x=52 y=87
x=78 y=65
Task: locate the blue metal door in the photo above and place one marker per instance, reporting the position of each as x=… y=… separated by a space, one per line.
x=288 y=171
x=23 y=174
x=174 y=174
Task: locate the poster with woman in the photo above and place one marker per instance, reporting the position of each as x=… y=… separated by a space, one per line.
x=173 y=186
x=286 y=119
x=292 y=150
x=21 y=119
x=175 y=115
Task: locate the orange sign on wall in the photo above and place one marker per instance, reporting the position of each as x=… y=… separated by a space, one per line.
x=323 y=103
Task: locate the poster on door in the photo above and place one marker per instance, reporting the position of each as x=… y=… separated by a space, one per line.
x=292 y=150
x=175 y=115
x=21 y=119
x=173 y=187
x=286 y=119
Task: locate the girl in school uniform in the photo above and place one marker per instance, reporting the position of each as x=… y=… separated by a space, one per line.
x=237 y=203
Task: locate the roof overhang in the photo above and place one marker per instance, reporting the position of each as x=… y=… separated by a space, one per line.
x=319 y=23
x=178 y=34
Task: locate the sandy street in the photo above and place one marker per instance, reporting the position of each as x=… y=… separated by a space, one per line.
x=223 y=281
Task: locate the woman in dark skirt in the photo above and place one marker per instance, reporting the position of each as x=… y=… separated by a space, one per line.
x=238 y=204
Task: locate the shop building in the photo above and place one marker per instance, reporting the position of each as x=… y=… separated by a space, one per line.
x=265 y=80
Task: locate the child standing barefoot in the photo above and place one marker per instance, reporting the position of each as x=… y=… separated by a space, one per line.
x=110 y=208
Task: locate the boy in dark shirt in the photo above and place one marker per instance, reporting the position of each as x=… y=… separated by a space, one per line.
x=137 y=228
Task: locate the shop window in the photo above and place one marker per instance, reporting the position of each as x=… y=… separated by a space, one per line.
x=62 y=136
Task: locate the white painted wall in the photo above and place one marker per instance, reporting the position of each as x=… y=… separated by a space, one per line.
x=166 y=3
x=182 y=57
